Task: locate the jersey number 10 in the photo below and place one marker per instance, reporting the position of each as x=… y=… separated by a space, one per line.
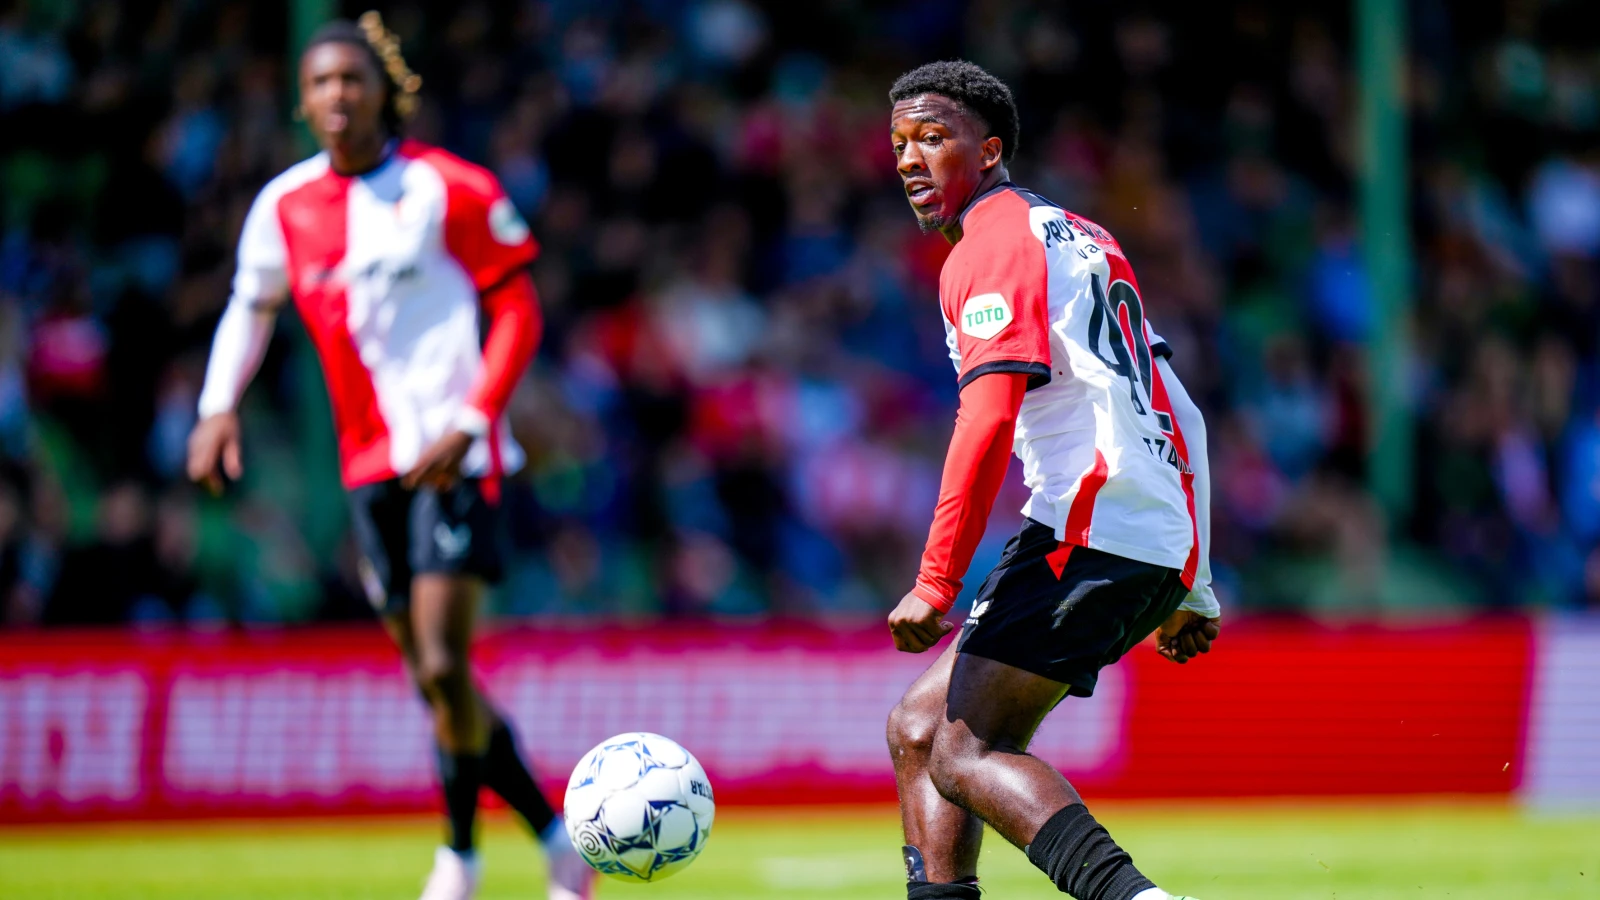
x=1123 y=311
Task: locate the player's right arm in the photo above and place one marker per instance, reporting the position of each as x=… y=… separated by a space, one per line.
x=974 y=469
x=491 y=242
x=260 y=286
x=995 y=290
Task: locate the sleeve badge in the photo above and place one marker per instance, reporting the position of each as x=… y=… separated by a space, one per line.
x=506 y=224
x=985 y=315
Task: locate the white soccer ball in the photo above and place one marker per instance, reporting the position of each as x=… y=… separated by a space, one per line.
x=639 y=807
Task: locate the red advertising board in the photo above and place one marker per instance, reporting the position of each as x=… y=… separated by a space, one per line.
x=97 y=725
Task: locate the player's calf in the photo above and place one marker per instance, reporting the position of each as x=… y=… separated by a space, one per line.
x=1081 y=859
x=1070 y=847
x=911 y=731
x=441 y=612
x=979 y=762
x=963 y=770
x=461 y=724
x=942 y=840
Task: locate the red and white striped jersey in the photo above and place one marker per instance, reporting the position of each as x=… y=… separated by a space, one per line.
x=1032 y=288
x=386 y=269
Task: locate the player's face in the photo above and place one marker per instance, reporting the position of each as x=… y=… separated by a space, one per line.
x=343 y=94
x=942 y=156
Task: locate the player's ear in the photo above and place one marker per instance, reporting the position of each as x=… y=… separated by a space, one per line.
x=991 y=153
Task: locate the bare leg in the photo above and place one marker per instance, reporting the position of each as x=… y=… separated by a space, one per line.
x=434 y=640
x=947 y=836
x=980 y=760
x=443 y=608
x=403 y=634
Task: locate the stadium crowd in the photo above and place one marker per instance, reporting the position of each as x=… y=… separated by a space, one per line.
x=742 y=400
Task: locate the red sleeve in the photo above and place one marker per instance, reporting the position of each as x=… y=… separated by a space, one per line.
x=996 y=292
x=974 y=467
x=514 y=328
x=482 y=229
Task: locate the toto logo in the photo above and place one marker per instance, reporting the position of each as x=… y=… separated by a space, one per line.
x=985 y=316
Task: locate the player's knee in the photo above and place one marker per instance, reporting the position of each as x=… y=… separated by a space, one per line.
x=441 y=675
x=911 y=730
x=951 y=759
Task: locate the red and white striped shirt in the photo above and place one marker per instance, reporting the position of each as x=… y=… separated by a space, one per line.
x=1048 y=298
x=388 y=270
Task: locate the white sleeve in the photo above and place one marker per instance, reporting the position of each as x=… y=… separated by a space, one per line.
x=260 y=286
x=236 y=353
x=1158 y=344
x=1202 y=599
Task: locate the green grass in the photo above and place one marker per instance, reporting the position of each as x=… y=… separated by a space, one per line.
x=1219 y=852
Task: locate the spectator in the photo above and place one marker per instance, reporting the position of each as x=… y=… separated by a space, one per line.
x=742 y=396
x=117 y=577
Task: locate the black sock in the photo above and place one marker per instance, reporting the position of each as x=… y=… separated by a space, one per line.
x=1082 y=859
x=461 y=775
x=505 y=773
x=924 y=890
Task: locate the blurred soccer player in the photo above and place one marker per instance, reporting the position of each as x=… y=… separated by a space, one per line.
x=1055 y=359
x=390 y=249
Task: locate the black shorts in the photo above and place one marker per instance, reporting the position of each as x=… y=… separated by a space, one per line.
x=403 y=533
x=1066 y=627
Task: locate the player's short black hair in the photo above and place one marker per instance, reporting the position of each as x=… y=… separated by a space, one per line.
x=383 y=48
x=970 y=85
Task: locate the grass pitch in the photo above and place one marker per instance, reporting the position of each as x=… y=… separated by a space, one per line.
x=1373 y=851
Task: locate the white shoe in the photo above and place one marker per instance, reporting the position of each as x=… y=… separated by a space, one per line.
x=570 y=877
x=454 y=876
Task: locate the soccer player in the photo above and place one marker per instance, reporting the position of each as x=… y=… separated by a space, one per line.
x=1055 y=359
x=390 y=250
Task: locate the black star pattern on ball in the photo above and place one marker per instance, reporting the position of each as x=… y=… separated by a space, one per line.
x=679 y=854
x=639 y=750
x=649 y=833
x=636 y=749
x=655 y=811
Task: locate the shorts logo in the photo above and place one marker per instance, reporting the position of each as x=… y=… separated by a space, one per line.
x=985 y=316
x=506 y=224
x=453 y=543
x=978 y=610
x=1079 y=591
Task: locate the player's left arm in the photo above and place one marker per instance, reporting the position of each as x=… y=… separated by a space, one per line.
x=1190 y=630
x=486 y=235
x=515 y=326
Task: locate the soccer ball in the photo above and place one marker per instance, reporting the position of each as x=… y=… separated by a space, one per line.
x=639 y=807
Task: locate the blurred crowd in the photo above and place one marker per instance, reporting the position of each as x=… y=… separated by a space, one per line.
x=742 y=399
